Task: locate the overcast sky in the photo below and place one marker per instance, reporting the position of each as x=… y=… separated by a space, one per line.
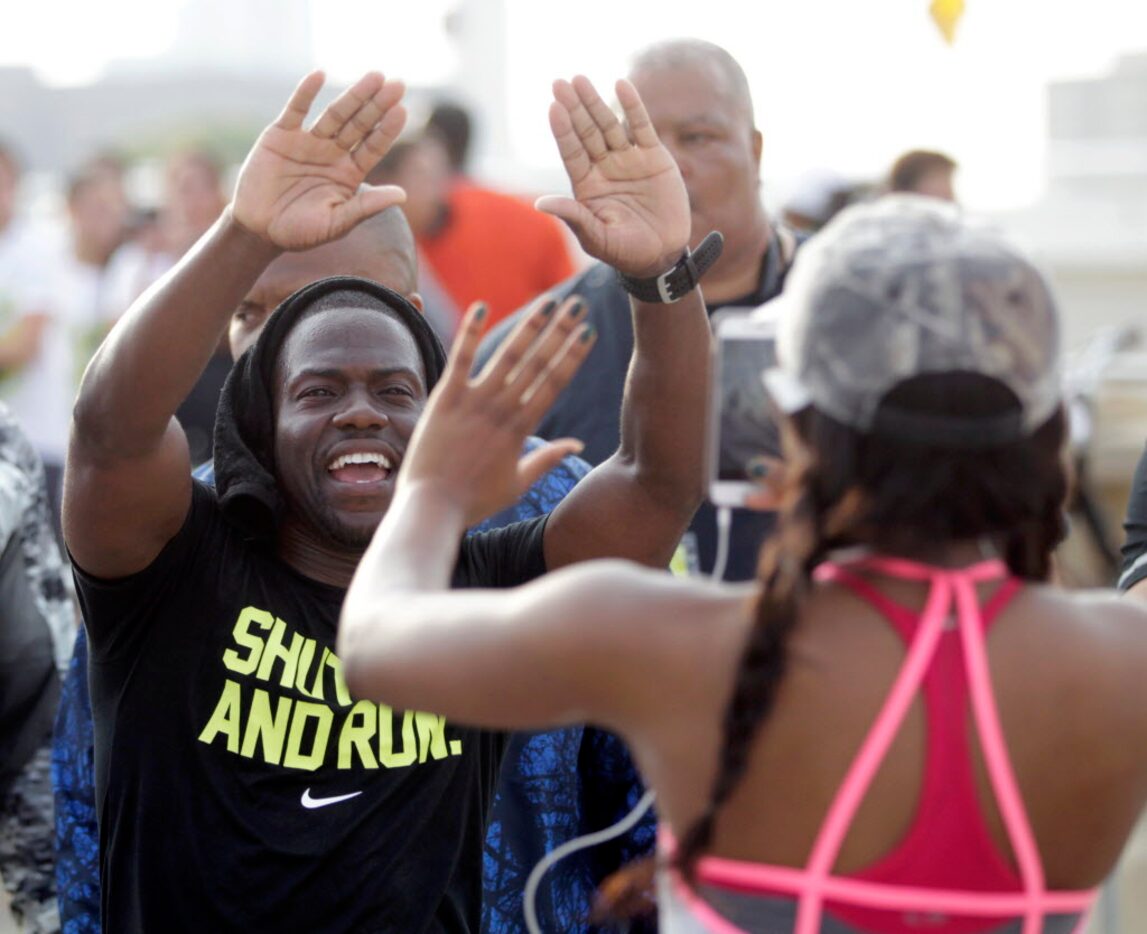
x=839 y=84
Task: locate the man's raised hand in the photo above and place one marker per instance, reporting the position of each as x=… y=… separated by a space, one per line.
x=629 y=207
x=300 y=187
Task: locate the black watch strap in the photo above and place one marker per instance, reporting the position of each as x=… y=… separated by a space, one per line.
x=677 y=282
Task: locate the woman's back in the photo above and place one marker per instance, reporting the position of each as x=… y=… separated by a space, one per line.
x=1064 y=672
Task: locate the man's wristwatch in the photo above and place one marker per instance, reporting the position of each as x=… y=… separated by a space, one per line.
x=681 y=279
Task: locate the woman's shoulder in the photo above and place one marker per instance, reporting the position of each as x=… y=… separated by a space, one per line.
x=1094 y=640
x=1098 y=614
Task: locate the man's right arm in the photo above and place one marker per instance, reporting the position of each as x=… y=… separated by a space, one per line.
x=128 y=487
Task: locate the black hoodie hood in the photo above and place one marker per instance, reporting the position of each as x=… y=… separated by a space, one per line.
x=245 y=476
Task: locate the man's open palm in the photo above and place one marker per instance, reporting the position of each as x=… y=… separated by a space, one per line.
x=629 y=207
x=299 y=187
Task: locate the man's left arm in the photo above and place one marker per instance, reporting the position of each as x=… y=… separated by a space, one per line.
x=630 y=210
x=639 y=502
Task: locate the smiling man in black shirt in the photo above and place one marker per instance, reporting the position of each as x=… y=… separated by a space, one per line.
x=240 y=786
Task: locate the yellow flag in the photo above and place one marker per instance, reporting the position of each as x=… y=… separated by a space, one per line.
x=946 y=14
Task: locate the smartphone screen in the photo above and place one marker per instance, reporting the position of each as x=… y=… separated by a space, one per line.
x=743 y=427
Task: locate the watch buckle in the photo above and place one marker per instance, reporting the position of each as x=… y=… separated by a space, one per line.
x=683 y=268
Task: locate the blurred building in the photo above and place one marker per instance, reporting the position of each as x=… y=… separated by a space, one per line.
x=255 y=37
x=229 y=64
x=1090 y=228
x=56 y=128
x=144 y=111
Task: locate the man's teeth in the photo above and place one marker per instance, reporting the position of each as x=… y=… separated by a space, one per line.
x=379 y=460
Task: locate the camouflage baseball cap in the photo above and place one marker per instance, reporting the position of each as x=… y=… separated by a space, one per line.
x=906 y=286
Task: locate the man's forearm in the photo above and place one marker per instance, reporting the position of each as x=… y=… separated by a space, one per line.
x=158 y=349
x=666 y=392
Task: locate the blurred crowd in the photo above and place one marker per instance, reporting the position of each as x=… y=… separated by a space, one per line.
x=463 y=262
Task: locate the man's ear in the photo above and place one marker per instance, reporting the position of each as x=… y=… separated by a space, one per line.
x=758 y=146
x=416 y=301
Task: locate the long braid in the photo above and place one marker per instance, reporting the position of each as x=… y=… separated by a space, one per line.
x=786 y=569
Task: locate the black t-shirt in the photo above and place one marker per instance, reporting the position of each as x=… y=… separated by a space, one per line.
x=196 y=413
x=239 y=786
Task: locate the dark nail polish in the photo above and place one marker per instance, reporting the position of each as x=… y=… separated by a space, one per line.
x=480 y=313
x=577 y=308
x=588 y=334
x=548 y=308
x=758 y=469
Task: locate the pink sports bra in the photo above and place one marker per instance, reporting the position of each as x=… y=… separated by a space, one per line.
x=946 y=875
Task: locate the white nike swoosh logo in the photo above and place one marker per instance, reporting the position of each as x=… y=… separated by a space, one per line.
x=309 y=802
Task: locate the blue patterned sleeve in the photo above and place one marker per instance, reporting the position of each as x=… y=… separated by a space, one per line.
x=555 y=786
x=544 y=495
x=73 y=786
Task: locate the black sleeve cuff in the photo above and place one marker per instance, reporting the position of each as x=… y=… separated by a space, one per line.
x=1134 y=567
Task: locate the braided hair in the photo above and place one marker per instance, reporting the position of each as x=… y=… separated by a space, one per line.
x=847 y=488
